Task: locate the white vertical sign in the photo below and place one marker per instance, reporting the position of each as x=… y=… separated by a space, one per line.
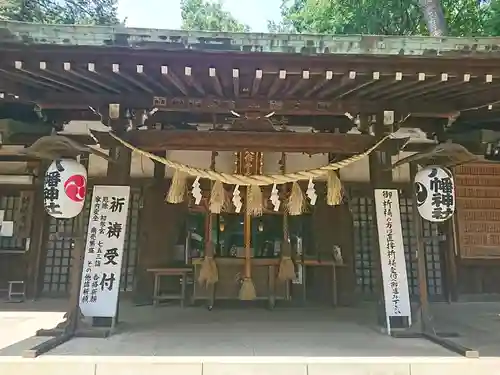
x=392 y=255
x=104 y=251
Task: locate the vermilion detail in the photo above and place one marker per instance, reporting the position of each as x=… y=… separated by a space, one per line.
x=75 y=187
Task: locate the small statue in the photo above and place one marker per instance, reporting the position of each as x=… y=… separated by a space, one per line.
x=337 y=254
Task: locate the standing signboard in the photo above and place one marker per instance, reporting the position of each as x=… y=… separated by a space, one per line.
x=104 y=251
x=392 y=255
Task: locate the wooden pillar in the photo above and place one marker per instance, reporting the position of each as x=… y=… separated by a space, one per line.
x=37 y=251
x=333 y=225
x=380 y=177
x=421 y=255
x=152 y=202
x=450 y=252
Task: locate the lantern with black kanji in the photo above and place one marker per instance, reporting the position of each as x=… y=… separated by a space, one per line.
x=64 y=188
x=435 y=193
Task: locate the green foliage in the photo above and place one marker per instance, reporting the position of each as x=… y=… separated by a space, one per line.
x=88 y=12
x=390 y=17
x=208 y=16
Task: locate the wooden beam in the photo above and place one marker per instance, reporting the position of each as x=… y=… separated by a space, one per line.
x=157 y=140
x=19 y=66
x=135 y=82
x=256 y=83
x=375 y=78
x=320 y=84
x=223 y=106
x=236 y=82
x=347 y=80
x=88 y=76
x=429 y=84
x=153 y=82
x=277 y=84
x=303 y=80
x=191 y=80
x=212 y=72
x=174 y=79
x=406 y=85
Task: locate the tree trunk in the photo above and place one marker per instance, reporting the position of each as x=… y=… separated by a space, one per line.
x=434 y=17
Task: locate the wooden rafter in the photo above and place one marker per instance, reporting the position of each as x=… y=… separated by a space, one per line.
x=157 y=140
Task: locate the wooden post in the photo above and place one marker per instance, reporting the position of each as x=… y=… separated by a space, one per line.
x=421 y=256
x=152 y=203
x=37 y=248
x=450 y=255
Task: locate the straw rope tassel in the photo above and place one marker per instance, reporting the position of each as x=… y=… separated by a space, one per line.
x=334 y=194
x=177 y=189
x=259 y=180
x=247 y=290
x=254 y=203
x=287 y=268
x=209 y=274
x=296 y=200
x=217 y=198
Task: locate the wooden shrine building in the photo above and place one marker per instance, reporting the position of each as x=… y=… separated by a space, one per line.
x=217 y=101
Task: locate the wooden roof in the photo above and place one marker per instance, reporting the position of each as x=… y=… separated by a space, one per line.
x=74 y=67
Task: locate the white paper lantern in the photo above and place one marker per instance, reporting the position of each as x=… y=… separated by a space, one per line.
x=435 y=193
x=64 y=188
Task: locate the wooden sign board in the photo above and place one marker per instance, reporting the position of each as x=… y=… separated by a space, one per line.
x=478 y=210
x=23 y=214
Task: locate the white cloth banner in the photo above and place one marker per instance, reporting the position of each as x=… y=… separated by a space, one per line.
x=392 y=254
x=104 y=251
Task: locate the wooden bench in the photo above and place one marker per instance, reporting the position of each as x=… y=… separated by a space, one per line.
x=182 y=272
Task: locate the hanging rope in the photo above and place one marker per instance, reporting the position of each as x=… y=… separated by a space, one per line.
x=259 y=180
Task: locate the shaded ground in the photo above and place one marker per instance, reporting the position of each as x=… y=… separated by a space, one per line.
x=171 y=331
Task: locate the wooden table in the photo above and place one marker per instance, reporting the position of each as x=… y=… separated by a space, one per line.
x=181 y=272
x=264 y=272
x=317 y=263
x=275 y=290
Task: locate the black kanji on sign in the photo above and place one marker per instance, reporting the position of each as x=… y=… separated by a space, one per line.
x=59 y=166
x=50 y=193
x=117 y=204
x=439 y=213
x=53 y=209
x=110 y=255
x=107 y=281
x=114 y=229
x=387 y=194
x=52 y=179
x=443 y=185
x=442 y=199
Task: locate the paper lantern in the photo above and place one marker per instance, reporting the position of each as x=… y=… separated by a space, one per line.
x=435 y=193
x=64 y=188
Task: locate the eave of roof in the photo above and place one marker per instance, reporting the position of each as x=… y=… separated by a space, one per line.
x=21 y=33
